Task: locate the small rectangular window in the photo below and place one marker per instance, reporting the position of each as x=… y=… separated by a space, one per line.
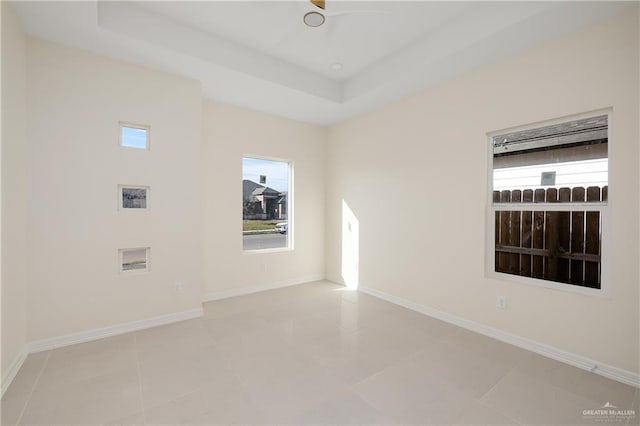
x=550 y=192
x=266 y=201
x=134 y=136
x=133 y=197
x=134 y=259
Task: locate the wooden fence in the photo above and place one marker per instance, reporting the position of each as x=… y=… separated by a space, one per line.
x=550 y=244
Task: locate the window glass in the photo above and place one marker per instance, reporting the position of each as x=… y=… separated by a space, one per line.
x=134 y=259
x=134 y=197
x=550 y=189
x=265 y=204
x=134 y=136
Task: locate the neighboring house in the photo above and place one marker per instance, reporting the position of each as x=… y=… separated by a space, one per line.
x=247 y=188
x=262 y=202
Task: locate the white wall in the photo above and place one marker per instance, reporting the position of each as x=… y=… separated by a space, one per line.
x=229 y=133
x=14 y=192
x=75 y=101
x=424 y=241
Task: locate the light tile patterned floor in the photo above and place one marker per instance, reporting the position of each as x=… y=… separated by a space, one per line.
x=310 y=354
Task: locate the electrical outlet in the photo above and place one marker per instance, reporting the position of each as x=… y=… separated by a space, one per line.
x=179 y=286
x=501 y=303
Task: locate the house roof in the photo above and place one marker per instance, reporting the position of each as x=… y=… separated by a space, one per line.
x=250 y=189
x=265 y=190
x=248 y=186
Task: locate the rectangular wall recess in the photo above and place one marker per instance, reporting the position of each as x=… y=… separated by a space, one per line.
x=134 y=259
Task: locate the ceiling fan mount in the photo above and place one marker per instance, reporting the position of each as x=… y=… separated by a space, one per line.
x=315 y=18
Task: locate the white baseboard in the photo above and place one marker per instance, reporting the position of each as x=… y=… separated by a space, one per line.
x=258 y=288
x=614 y=373
x=113 y=330
x=15 y=366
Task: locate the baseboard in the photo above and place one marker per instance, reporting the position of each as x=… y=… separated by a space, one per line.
x=614 y=373
x=114 y=330
x=258 y=288
x=15 y=366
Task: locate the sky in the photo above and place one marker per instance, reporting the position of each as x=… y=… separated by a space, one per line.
x=134 y=138
x=277 y=172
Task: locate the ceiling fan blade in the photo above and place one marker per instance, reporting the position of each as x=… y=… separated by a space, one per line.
x=318 y=3
x=355 y=12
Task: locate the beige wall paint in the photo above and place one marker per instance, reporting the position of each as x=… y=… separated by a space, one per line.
x=229 y=133
x=387 y=165
x=14 y=190
x=75 y=101
x=414 y=173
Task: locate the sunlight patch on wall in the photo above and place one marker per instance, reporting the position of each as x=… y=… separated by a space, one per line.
x=350 y=247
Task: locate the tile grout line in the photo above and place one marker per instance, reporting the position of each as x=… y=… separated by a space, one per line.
x=33 y=388
x=479 y=400
x=139 y=371
x=636 y=402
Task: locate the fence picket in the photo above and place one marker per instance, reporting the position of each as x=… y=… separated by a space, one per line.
x=564 y=235
x=592 y=239
x=514 y=233
x=505 y=217
x=527 y=221
x=577 y=237
x=538 y=235
x=551 y=237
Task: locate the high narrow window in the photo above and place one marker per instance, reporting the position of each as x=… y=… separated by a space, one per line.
x=134 y=136
x=266 y=201
x=550 y=192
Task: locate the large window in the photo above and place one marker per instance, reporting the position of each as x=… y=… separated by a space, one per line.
x=549 y=197
x=266 y=201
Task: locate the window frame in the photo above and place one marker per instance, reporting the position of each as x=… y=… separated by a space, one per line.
x=602 y=207
x=134 y=271
x=290 y=206
x=130 y=125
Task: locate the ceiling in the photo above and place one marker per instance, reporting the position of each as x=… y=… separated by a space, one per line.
x=260 y=55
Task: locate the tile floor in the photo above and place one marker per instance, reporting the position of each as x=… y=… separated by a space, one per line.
x=310 y=354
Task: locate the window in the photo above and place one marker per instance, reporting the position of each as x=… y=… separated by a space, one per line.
x=134 y=259
x=133 y=197
x=134 y=136
x=549 y=196
x=266 y=204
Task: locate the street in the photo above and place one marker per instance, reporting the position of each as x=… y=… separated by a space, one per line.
x=264 y=241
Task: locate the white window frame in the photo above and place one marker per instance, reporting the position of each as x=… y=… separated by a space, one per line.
x=602 y=207
x=290 y=209
x=134 y=271
x=120 y=200
x=130 y=125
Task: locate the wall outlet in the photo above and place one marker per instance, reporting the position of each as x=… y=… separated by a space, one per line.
x=501 y=303
x=179 y=286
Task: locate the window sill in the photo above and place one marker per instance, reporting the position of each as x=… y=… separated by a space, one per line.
x=268 y=250
x=550 y=285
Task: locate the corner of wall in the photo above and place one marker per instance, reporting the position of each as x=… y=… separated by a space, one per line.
x=14 y=202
